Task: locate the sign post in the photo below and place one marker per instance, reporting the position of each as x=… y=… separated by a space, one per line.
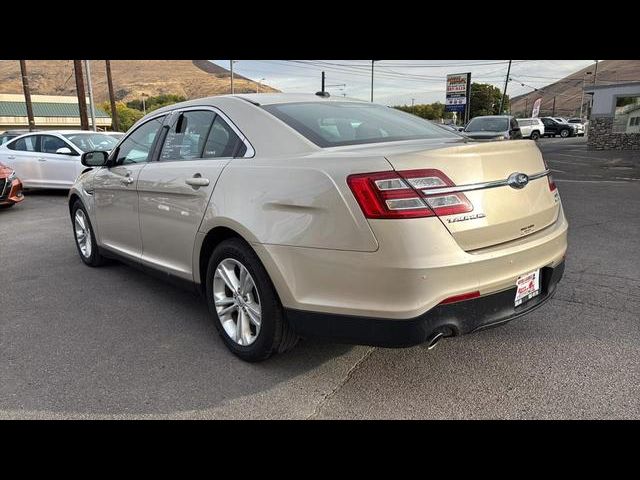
x=458 y=93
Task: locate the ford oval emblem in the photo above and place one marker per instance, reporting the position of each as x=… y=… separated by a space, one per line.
x=518 y=180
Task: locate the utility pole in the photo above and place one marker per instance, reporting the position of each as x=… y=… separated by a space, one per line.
x=504 y=92
x=322 y=84
x=91 y=105
x=115 y=123
x=553 y=114
x=27 y=95
x=233 y=92
x=595 y=75
x=584 y=77
x=82 y=99
x=372 y=79
x=526 y=106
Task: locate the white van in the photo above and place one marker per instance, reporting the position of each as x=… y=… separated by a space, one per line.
x=532 y=128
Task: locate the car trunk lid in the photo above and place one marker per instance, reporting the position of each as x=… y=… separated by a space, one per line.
x=500 y=212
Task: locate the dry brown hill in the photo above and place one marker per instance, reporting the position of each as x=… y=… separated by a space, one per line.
x=568 y=91
x=131 y=78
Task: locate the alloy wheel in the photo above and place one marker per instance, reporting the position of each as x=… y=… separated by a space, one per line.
x=83 y=233
x=237 y=301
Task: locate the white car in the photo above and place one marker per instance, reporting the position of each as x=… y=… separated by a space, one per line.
x=532 y=128
x=580 y=126
x=51 y=159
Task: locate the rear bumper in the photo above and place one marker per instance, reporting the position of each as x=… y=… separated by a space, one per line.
x=450 y=319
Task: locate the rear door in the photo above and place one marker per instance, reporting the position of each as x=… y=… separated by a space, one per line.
x=479 y=174
x=175 y=190
x=58 y=170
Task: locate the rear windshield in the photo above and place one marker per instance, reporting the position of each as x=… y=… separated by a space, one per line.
x=334 y=124
x=88 y=142
x=488 y=124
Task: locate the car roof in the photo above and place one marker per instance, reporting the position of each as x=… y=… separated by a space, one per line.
x=493 y=116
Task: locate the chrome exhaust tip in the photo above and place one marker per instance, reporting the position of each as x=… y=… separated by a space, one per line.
x=434 y=339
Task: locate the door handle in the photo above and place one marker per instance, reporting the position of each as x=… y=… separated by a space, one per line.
x=11 y=157
x=127 y=180
x=197 y=181
x=42 y=159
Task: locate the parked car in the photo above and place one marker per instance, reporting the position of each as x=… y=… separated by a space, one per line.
x=553 y=127
x=532 y=128
x=9 y=134
x=300 y=215
x=580 y=126
x=10 y=187
x=51 y=159
x=493 y=127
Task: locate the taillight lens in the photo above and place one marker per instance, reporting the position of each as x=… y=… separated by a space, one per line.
x=552 y=184
x=406 y=194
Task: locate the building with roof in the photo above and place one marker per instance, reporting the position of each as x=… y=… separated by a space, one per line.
x=49 y=111
x=614 y=122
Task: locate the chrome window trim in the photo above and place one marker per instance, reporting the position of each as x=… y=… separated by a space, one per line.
x=250 y=153
x=480 y=186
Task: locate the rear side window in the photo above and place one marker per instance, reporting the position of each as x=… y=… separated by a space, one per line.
x=222 y=141
x=26 y=144
x=332 y=124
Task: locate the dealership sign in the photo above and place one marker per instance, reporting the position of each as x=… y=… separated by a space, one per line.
x=458 y=85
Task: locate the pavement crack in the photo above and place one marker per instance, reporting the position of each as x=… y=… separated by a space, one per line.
x=340 y=384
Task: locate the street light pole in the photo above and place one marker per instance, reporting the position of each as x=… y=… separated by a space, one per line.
x=87 y=67
x=372 y=79
x=231 y=62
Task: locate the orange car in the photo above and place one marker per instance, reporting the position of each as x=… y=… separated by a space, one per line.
x=10 y=187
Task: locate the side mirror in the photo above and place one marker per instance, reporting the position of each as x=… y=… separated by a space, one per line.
x=94 y=159
x=64 y=151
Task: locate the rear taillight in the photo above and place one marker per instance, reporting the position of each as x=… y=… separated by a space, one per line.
x=552 y=184
x=406 y=194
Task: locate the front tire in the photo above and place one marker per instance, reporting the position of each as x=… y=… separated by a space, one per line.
x=245 y=304
x=535 y=136
x=564 y=133
x=84 y=236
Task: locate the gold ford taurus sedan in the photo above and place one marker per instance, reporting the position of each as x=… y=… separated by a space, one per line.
x=303 y=215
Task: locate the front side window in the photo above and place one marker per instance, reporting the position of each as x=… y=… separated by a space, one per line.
x=333 y=124
x=25 y=144
x=50 y=144
x=136 y=148
x=187 y=137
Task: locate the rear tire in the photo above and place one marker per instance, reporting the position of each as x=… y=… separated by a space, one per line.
x=236 y=310
x=84 y=237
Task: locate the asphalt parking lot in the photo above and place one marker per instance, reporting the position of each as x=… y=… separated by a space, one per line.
x=77 y=342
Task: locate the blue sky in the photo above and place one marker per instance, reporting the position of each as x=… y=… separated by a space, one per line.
x=396 y=82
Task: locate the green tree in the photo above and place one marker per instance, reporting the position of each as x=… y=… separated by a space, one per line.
x=432 y=111
x=127 y=116
x=153 y=103
x=485 y=100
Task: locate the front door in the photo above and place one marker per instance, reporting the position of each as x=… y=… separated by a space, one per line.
x=59 y=170
x=116 y=198
x=175 y=190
